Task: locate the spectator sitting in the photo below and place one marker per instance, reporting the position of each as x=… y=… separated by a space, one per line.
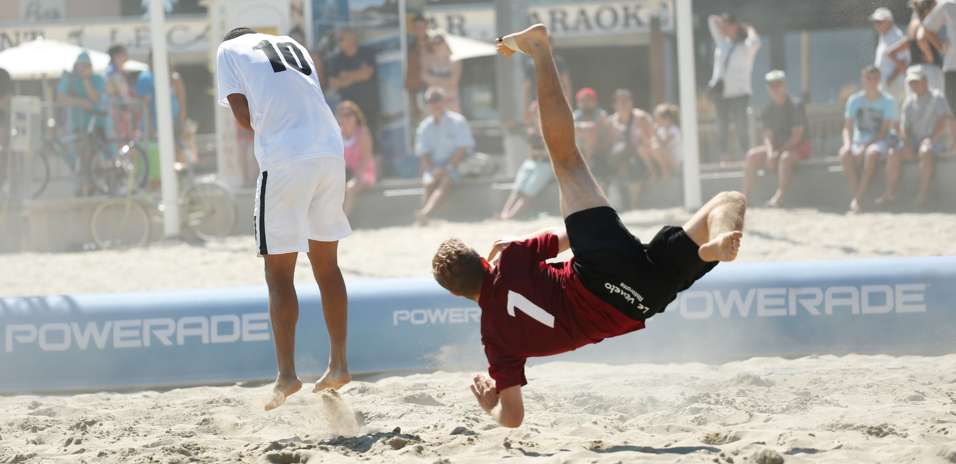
x=590 y=123
x=785 y=139
x=439 y=70
x=359 y=157
x=442 y=141
x=631 y=131
x=351 y=74
x=891 y=61
x=82 y=92
x=667 y=147
x=922 y=130
x=870 y=114
x=534 y=174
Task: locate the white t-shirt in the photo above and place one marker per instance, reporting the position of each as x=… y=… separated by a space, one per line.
x=882 y=60
x=738 y=69
x=944 y=14
x=288 y=111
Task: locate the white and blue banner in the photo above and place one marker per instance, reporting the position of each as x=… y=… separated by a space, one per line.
x=198 y=337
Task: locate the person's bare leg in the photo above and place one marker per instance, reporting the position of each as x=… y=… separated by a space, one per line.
x=441 y=189
x=717 y=227
x=870 y=160
x=894 y=169
x=325 y=267
x=509 y=205
x=926 y=164
x=849 y=162
x=756 y=158
x=784 y=174
x=352 y=190
x=579 y=191
x=284 y=313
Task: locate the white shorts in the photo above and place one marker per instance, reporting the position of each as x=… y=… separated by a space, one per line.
x=300 y=201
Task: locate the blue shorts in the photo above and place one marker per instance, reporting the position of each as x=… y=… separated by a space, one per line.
x=532 y=177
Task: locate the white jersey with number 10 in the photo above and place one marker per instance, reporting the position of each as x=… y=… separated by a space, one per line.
x=288 y=111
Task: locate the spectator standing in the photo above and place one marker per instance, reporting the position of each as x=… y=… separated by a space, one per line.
x=890 y=60
x=351 y=74
x=630 y=133
x=414 y=83
x=730 y=87
x=870 y=114
x=922 y=131
x=439 y=70
x=145 y=89
x=943 y=16
x=923 y=52
x=359 y=152
x=442 y=141
x=82 y=93
x=590 y=124
x=120 y=94
x=533 y=175
x=785 y=139
x=667 y=146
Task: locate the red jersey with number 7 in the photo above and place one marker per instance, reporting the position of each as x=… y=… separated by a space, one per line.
x=532 y=308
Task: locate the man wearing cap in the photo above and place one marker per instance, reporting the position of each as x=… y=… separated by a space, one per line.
x=922 y=131
x=870 y=113
x=441 y=142
x=82 y=92
x=891 y=66
x=785 y=139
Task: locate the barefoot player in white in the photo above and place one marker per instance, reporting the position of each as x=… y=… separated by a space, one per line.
x=272 y=87
x=531 y=308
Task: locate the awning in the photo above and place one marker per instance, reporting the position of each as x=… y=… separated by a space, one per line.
x=48 y=59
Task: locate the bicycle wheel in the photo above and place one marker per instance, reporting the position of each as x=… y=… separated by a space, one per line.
x=38 y=175
x=120 y=224
x=208 y=210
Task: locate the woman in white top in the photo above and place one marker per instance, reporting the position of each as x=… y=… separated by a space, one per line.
x=730 y=89
x=439 y=70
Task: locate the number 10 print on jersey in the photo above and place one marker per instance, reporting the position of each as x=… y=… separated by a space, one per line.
x=292 y=54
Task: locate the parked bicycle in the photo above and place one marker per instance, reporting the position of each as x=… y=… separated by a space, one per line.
x=111 y=161
x=207 y=210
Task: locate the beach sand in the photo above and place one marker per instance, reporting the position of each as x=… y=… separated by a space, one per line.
x=813 y=409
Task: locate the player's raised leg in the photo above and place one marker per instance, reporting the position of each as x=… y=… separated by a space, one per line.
x=284 y=312
x=716 y=227
x=325 y=267
x=579 y=191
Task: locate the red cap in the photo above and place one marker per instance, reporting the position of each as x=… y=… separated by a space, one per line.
x=586 y=92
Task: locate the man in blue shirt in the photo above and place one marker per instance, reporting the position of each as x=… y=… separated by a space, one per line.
x=441 y=142
x=82 y=93
x=870 y=113
x=145 y=89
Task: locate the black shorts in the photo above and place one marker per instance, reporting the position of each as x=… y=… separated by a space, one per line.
x=640 y=280
x=950 y=86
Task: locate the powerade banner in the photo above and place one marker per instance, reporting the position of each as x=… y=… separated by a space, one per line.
x=197 y=337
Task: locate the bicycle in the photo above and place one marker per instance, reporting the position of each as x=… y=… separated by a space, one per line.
x=207 y=210
x=109 y=166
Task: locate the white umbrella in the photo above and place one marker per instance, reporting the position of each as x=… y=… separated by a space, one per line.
x=463 y=48
x=47 y=59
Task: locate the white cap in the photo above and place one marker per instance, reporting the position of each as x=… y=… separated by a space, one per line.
x=882 y=14
x=915 y=73
x=775 y=76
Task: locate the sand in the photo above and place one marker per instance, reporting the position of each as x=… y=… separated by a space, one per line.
x=764 y=410
x=772 y=235
x=858 y=409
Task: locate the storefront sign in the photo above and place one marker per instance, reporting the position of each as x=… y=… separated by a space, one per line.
x=564 y=20
x=42 y=10
x=184 y=35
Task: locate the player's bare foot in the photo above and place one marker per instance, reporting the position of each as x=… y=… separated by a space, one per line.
x=283 y=389
x=332 y=380
x=885 y=200
x=855 y=207
x=723 y=247
x=526 y=41
x=776 y=201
